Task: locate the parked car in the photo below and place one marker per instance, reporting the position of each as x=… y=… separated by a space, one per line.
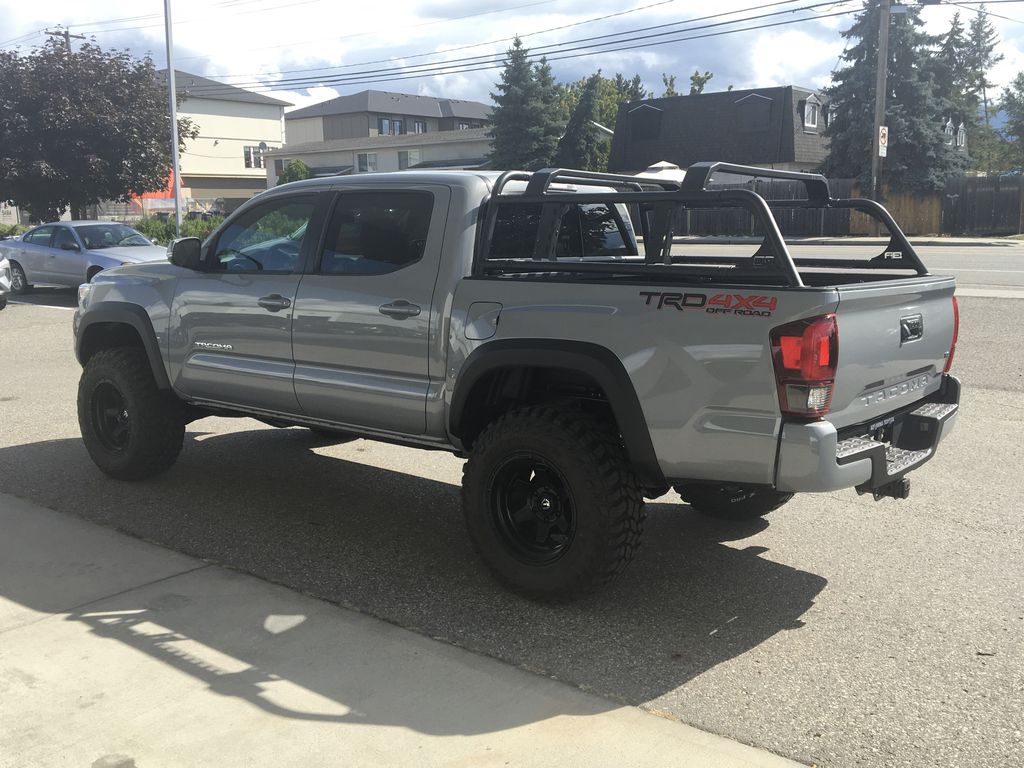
x=70 y=253
x=5 y=281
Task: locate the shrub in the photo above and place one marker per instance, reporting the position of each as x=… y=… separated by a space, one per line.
x=162 y=232
x=10 y=230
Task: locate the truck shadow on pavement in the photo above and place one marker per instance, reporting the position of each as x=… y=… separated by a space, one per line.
x=66 y=298
x=394 y=546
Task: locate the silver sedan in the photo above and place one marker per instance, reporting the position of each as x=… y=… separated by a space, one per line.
x=70 y=253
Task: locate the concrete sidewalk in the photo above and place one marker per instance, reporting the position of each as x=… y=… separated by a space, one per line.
x=120 y=654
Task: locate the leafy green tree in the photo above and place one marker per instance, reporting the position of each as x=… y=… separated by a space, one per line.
x=919 y=158
x=526 y=120
x=611 y=92
x=669 y=81
x=80 y=127
x=581 y=146
x=295 y=171
x=698 y=81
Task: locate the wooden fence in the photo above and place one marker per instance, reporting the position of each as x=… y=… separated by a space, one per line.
x=973 y=205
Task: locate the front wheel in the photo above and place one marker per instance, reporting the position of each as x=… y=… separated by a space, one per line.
x=732 y=502
x=19 y=280
x=551 y=503
x=131 y=429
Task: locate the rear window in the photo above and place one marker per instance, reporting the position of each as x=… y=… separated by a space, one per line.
x=585 y=231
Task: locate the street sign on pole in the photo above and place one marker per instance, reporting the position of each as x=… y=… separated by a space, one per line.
x=883 y=140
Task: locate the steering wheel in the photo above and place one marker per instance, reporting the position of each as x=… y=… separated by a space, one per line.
x=236 y=252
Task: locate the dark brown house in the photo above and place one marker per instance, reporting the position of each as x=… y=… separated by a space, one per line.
x=779 y=127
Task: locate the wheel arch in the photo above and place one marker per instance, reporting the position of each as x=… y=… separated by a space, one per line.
x=468 y=412
x=119 y=324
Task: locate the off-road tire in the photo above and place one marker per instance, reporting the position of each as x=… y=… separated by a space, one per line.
x=583 y=458
x=22 y=286
x=732 y=502
x=153 y=423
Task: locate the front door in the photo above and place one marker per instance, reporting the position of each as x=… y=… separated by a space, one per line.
x=66 y=257
x=231 y=324
x=35 y=249
x=363 y=316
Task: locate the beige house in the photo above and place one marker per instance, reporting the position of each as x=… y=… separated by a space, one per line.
x=225 y=165
x=456 y=149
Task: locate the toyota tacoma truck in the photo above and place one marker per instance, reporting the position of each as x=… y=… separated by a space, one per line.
x=554 y=329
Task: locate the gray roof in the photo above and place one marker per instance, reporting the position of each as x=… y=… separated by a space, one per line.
x=370 y=142
x=198 y=87
x=395 y=104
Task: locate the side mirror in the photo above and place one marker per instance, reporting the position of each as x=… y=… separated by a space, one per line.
x=186 y=252
x=70 y=247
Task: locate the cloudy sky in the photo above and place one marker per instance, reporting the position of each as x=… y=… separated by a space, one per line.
x=306 y=51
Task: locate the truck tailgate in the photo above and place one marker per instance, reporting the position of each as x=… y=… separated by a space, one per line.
x=894 y=340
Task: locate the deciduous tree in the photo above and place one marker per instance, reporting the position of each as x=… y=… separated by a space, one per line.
x=79 y=127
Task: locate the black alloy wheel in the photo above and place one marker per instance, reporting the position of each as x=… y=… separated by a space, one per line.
x=110 y=418
x=535 y=513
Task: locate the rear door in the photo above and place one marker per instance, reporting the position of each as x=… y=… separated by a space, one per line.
x=231 y=339
x=894 y=339
x=363 y=317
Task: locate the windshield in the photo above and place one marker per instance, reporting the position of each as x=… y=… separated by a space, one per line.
x=98 y=236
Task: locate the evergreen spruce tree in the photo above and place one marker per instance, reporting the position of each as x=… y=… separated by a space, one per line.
x=919 y=158
x=1012 y=105
x=526 y=124
x=580 y=147
x=980 y=57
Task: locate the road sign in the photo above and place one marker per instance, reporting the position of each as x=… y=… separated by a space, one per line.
x=883 y=140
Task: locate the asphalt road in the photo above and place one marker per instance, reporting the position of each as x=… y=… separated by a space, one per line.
x=843 y=632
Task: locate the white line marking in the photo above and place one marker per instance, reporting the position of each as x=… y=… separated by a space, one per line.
x=44 y=306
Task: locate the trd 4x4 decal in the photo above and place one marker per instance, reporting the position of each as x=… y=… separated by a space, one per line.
x=717 y=304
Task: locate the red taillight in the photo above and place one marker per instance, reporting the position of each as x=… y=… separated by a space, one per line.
x=805 y=353
x=956 y=334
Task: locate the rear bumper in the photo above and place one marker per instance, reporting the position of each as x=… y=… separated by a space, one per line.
x=814 y=457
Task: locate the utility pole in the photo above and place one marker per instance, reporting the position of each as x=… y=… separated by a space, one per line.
x=880 y=86
x=66 y=34
x=176 y=178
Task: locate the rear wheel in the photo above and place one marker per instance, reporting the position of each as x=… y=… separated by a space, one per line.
x=131 y=429
x=19 y=280
x=732 y=502
x=551 y=503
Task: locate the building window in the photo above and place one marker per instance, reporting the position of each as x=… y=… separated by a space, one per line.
x=419 y=126
x=949 y=132
x=398 y=127
x=961 y=137
x=367 y=162
x=465 y=126
x=383 y=126
x=810 y=115
x=253 y=157
x=408 y=158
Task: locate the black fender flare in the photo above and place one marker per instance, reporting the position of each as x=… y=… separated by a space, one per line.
x=134 y=316
x=598 y=362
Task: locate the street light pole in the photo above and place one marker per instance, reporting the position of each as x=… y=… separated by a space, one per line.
x=173 y=95
x=880 y=84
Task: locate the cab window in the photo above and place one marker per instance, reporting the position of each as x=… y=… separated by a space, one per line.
x=373 y=233
x=267 y=238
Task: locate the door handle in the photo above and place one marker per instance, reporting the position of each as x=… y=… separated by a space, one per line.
x=399 y=310
x=275 y=302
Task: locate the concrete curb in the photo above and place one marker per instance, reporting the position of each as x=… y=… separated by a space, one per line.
x=122 y=653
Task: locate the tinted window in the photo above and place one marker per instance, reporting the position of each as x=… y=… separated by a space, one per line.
x=372 y=233
x=39 y=236
x=267 y=238
x=588 y=229
x=64 y=236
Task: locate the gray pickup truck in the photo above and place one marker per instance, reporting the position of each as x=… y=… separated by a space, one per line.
x=551 y=327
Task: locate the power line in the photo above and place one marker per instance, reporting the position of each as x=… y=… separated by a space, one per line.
x=982 y=11
x=467 y=63
x=541 y=49
x=398 y=74
x=446 y=50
